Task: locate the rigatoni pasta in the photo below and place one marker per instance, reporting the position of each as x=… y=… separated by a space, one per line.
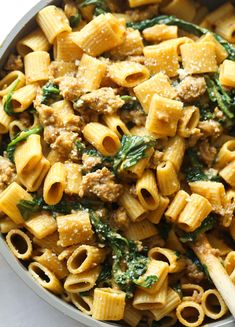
x=35 y=41
x=36 y=66
x=117 y=159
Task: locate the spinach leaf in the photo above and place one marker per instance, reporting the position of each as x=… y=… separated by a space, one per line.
x=101 y=6
x=128 y=261
x=63 y=207
x=164 y=228
x=208 y=224
x=195 y=169
x=50 y=92
x=219 y=96
x=133 y=149
x=131 y=102
x=74 y=21
x=186 y=26
x=148 y=282
x=205 y=111
x=8 y=106
x=22 y=136
x=80 y=146
x=105 y=275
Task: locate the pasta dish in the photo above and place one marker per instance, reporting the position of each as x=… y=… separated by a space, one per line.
x=117 y=166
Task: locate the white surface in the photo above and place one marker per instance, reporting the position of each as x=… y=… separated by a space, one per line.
x=19 y=306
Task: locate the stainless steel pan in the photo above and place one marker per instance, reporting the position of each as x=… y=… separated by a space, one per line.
x=26 y=25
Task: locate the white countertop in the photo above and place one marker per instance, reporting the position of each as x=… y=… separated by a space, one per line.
x=19 y=306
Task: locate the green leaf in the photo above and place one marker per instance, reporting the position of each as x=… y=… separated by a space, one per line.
x=80 y=146
x=105 y=275
x=8 y=106
x=207 y=224
x=186 y=26
x=218 y=95
x=28 y=207
x=148 y=282
x=22 y=136
x=133 y=149
x=125 y=253
x=131 y=102
x=101 y=6
x=164 y=228
x=195 y=169
x=177 y=253
x=63 y=207
x=50 y=93
x=74 y=21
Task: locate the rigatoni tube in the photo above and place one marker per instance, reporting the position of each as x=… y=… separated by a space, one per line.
x=15 y=79
x=83 y=303
x=45 y=278
x=5 y=120
x=196 y=210
x=50 y=260
x=36 y=66
x=140 y=230
x=175 y=260
x=9 y=200
x=189 y=121
x=23 y=97
x=32 y=180
x=65 y=49
x=174 y=151
x=28 y=154
x=102 y=138
x=35 y=41
x=213 y=304
x=190 y=314
x=146 y=301
x=177 y=205
x=228 y=173
x=157 y=84
x=41 y=225
x=134 y=209
x=156 y=215
x=74 y=228
x=173 y=300
x=156 y=268
x=115 y=123
x=82 y=282
x=91 y=71
x=84 y=258
x=226 y=154
x=54 y=184
x=168 y=181
x=109 y=304
x=20 y=244
x=53 y=21
x=147 y=191
x=128 y=74
x=103 y=33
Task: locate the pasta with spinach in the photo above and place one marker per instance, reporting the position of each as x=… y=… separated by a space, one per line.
x=117 y=166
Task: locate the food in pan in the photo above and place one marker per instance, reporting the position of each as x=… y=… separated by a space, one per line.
x=117 y=180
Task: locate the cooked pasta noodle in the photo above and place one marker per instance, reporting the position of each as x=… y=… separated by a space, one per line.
x=117 y=163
